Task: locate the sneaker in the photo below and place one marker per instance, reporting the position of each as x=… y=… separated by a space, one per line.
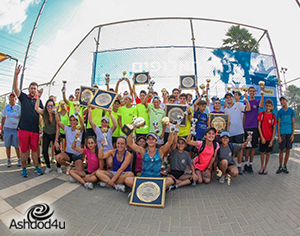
x=43 y=161
x=8 y=163
x=279 y=170
x=72 y=180
x=120 y=187
x=89 y=185
x=47 y=171
x=53 y=160
x=102 y=184
x=24 y=173
x=246 y=168
x=240 y=170
x=19 y=162
x=250 y=169
x=128 y=196
x=243 y=159
x=38 y=170
x=68 y=169
x=194 y=183
x=59 y=171
x=28 y=165
x=172 y=187
x=222 y=179
x=188 y=171
x=285 y=170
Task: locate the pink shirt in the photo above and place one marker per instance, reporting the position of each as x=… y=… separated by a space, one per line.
x=92 y=160
x=138 y=163
x=201 y=162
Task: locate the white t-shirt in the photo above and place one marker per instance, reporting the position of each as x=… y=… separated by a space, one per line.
x=12 y=115
x=236 y=118
x=100 y=137
x=70 y=137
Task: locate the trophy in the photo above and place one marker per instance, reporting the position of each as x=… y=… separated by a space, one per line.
x=137 y=122
x=194 y=123
x=245 y=89
x=54 y=111
x=155 y=124
x=124 y=74
x=150 y=87
x=250 y=133
x=104 y=130
x=64 y=86
x=229 y=87
x=165 y=120
x=107 y=78
x=164 y=90
x=208 y=81
x=179 y=120
x=78 y=127
x=202 y=86
x=62 y=103
x=76 y=105
x=262 y=87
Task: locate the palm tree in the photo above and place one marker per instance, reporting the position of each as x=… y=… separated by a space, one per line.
x=240 y=39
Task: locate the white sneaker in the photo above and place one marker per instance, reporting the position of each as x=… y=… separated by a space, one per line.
x=68 y=169
x=102 y=184
x=59 y=171
x=222 y=179
x=120 y=187
x=72 y=180
x=8 y=163
x=47 y=171
x=19 y=163
x=89 y=185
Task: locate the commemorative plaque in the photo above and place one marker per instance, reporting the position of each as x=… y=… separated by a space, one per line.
x=148 y=192
x=187 y=81
x=103 y=99
x=86 y=95
x=219 y=121
x=141 y=78
x=176 y=112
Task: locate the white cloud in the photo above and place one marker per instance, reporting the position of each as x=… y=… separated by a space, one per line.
x=13 y=14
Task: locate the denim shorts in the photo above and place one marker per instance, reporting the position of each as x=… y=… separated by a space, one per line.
x=11 y=137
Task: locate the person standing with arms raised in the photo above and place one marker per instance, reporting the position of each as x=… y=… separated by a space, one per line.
x=28 y=133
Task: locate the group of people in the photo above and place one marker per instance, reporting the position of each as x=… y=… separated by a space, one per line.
x=91 y=144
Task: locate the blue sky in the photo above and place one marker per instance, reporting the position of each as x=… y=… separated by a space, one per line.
x=64 y=23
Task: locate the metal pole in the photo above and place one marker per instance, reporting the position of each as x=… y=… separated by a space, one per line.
x=30 y=42
x=283 y=70
x=95 y=57
x=194 y=51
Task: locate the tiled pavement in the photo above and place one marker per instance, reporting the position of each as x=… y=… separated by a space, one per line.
x=251 y=205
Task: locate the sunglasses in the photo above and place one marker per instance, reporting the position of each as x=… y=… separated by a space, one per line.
x=48 y=106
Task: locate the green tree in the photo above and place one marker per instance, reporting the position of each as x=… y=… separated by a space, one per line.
x=240 y=39
x=293 y=95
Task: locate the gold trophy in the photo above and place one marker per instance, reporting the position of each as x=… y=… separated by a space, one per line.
x=245 y=89
x=165 y=120
x=104 y=130
x=229 y=87
x=62 y=103
x=124 y=75
x=262 y=87
x=208 y=81
x=137 y=122
x=76 y=105
x=64 y=86
x=78 y=127
x=202 y=86
x=164 y=90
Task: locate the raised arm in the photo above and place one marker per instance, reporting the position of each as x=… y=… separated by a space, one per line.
x=37 y=103
x=144 y=102
x=113 y=128
x=163 y=149
x=16 y=81
x=117 y=85
x=133 y=146
x=189 y=140
x=129 y=86
x=105 y=155
x=90 y=118
x=133 y=89
x=64 y=96
x=261 y=102
x=58 y=122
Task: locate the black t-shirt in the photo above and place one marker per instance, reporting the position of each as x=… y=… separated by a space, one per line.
x=29 y=119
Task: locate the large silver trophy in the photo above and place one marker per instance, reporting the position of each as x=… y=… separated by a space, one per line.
x=194 y=123
x=155 y=124
x=150 y=87
x=137 y=122
x=250 y=133
x=179 y=120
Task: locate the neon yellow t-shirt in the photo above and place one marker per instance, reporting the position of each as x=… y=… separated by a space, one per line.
x=155 y=115
x=185 y=130
x=97 y=114
x=72 y=110
x=65 y=120
x=142 y=111
x=116 y=133
x=127 y=115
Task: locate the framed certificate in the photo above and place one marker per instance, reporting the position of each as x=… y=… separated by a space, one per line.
x=103 y=99
x=148 y=192
x=86 y=95
x=187 y=81
x=173 y=111
x=141 y=78
x=219 y=121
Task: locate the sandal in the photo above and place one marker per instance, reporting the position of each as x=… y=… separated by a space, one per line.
x=265 y=172
x=261 y=172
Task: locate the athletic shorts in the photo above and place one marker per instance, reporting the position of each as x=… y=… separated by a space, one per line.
x=11 y=137
x=265 y=147
x=28 y=140
x=237 y=138
x=176 y=173
x=74 y=157
x=254 y=141
x=285 y=143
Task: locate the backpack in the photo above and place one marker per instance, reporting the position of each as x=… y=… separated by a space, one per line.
x=202 y=149
x=262 y=117
x=231 y=149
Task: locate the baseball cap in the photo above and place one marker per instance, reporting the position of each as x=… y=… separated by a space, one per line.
x=71 y=95
x=105 y=118
x=238 y=92
x=151 y=134
x=76 y=117
x=230 y=94
x=209 y=129
x=128 y=96
x=214 y=97
x=157 y=98
x=182 y=138
x=283 y=97
x=12 y=94
x=224 y=133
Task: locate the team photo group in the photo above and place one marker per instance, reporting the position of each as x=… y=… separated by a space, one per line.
x=109 y=137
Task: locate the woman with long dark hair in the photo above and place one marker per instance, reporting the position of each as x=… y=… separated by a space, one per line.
x=50 y=130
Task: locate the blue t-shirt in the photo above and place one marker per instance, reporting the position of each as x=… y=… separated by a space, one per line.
x=285 y=117
x=29 y=119
x=201 y=124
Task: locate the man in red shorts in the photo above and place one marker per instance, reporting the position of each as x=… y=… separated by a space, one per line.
x=28 y=132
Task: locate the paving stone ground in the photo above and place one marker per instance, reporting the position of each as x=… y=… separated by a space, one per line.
x=251 y=205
